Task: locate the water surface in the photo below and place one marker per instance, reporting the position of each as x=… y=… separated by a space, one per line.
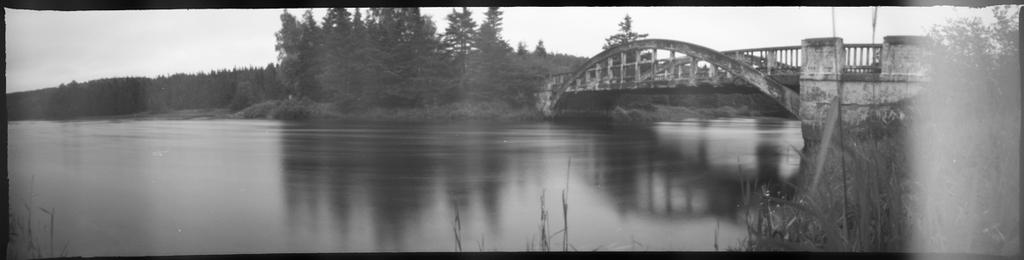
x=249 y=186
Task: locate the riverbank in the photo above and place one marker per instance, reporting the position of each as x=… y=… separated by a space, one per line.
x=632 y=112
x=185 y=114
x=300 y=110
x=657 y=113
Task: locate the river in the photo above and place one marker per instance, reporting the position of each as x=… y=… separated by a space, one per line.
x=181 y=187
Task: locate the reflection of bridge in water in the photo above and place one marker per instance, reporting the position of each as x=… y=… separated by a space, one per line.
x=387 y=187
x=685 y=176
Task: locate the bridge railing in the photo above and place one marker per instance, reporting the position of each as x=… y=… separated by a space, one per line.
x=770 y=60
x=863 y=58
x=646 y=65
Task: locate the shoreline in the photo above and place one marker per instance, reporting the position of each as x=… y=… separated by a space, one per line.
x=452 y=113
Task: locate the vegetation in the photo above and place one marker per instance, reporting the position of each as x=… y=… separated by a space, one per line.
x=649 y=108
x=951 y=186
x=625 y=35
x=237 y=88
x=967 y=139
x=395 y=58
x=353 y=61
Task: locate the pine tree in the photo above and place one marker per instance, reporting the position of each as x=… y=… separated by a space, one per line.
x=625 y=35
x=521 y=49
x=489 y=66
x=489 y=36
x=459 y=36
x=539 y=50
x=337 y=33
x=311 y=49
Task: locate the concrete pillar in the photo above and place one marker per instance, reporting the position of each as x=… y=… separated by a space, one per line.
x=771 y=61
x=902 y=58
x=820 y=83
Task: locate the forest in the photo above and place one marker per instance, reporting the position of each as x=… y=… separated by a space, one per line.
x=353 y=59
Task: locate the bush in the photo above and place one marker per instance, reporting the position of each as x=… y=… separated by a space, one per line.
x=260 y=110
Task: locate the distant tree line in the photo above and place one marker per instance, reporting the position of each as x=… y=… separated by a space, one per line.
x=376 y=57
x=235 y=88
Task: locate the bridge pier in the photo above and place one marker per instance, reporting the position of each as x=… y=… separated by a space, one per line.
x=868 y=103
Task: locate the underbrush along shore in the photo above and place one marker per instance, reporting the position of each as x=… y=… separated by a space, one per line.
x=305 y=109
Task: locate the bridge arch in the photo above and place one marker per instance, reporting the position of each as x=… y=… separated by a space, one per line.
x=788 y=98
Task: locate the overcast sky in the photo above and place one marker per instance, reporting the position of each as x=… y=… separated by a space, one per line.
x=47 y=48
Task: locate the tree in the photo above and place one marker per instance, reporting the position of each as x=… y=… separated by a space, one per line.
x=311 y=49
x=411 y=60
x=287 y=48
x=539 y=50
x=970 y=104
x=625 y=35
x=337 y=66
x=521 y=49
x=458 y=42
x=298 y=46
x=365 y=65
x=459 y=36
x=972 y=44
x=489 y=36
x=488 y=66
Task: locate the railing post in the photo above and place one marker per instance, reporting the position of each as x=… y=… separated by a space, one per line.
x=693 y=71
x=586 y=75
x=654 y=64
x=622 y=67
x=636 y=67
x=672 y=62
x=611 y=76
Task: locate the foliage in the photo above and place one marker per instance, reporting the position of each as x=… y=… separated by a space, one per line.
x=119 y=96
x=521 y=49
x=942 y=181
x=459 y=37
x=298 y=47
x=967 y=136
x=539 y=50
x=354 y=59
x=972 y=45
x=625 y=35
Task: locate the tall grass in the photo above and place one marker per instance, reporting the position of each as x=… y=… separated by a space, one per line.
x=545 y=238
x=849 y=203
x=565 y=208
x=21 y=236
x=457 y=229
x=545 y=244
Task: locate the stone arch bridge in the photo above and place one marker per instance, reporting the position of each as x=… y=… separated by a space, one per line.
x=867 y=79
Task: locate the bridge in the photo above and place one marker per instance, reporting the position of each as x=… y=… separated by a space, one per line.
x=867 y=79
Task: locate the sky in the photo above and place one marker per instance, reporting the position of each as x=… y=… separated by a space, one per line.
x=48 y=48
